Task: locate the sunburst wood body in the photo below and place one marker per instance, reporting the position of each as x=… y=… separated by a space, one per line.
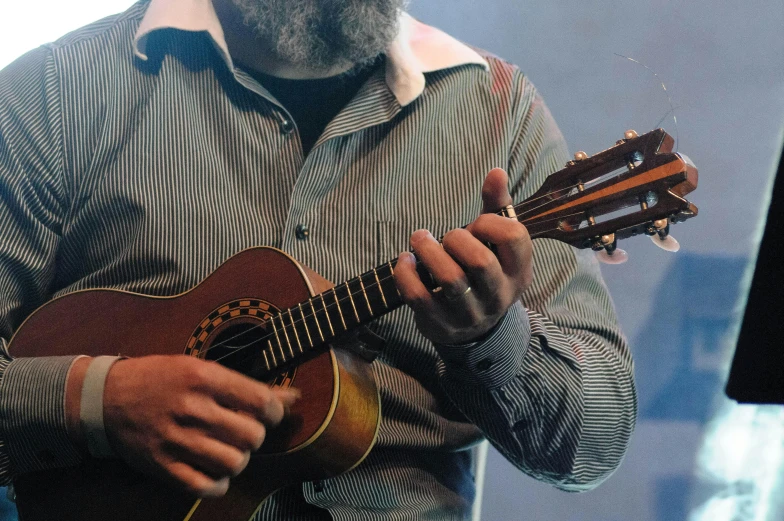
x=330 y=429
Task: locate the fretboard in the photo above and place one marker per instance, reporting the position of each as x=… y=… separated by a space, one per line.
x=300 y=329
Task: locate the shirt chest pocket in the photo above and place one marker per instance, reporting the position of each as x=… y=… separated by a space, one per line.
x=392 y=237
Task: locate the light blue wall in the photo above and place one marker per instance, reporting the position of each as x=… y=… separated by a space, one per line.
x=723 y=64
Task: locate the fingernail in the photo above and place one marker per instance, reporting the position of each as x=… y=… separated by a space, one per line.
x=219 y=489
x=407 y=256
x=289 y=395
x=420 y=235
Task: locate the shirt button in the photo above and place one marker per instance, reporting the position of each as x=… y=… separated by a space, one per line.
x=302 y=232
x=287 y=126
x=318 y=486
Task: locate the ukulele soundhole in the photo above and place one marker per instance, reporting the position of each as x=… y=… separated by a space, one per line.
x=234 y=336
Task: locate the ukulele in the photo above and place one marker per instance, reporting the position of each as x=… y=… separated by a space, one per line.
x=275 y=326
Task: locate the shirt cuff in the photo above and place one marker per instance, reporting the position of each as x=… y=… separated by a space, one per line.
x=496 y=359
x=32 y=405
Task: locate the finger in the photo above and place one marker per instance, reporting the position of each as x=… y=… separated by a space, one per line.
x=236 y=391
x=196 y=482
x=409 y=285
x=287 y=395
x=479 y=263
x=511 y=241
x=213 y=457
x=236 y=428
x=442 y=267
x=495 y=194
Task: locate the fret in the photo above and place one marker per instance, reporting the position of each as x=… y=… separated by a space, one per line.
x=305 y=321
x=266 y=358
x=340 y=311
x=392 y=273
x=367 y=300
x=326 y=313
x=272 y=352
x=380 y=289
x=277 y=337
x=351 y=299
x=285 y=334
x=296 y=334
x=387 y=284
x=318 y=324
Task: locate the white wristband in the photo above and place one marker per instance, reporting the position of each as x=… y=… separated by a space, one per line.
x=91 y=406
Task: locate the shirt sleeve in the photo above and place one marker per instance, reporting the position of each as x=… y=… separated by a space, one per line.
x=552 y=386
x=33 y=202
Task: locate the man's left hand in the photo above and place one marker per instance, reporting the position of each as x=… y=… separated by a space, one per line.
x=477 y=286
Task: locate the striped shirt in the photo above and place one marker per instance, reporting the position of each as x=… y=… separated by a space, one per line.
x=135 y=155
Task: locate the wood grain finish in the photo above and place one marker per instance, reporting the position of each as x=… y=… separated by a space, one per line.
x=328 y=431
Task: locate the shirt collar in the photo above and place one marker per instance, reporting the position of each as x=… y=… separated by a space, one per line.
x=417 y=49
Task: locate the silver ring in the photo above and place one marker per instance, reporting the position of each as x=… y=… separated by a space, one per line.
x=463 y=294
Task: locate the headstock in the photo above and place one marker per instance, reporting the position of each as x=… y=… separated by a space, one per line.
x=635 y=187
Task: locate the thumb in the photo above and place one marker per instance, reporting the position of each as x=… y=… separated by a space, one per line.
x=495 y=194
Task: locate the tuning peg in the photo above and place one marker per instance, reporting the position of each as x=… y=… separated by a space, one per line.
x=660 y=235
x=607 y=250
x=668 y=242
x=618 y=256
x=579 y=156
x=629 y=134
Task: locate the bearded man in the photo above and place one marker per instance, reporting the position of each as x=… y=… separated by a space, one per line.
x=141 y=152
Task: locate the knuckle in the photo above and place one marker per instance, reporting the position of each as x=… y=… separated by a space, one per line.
x=486 y=220
x=187 y=408
x=453 y=238
x=453 y=278
x=516 y=232
x=198 y=374
x=160 y=460
x=170 y=435
x=482 y=261
x=418 y=300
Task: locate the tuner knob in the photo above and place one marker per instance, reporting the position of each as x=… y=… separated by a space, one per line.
x=579 y=156
x=630 y=134
x=667 y=243
x=618 y=256
x=607 y=250
x=660 y=235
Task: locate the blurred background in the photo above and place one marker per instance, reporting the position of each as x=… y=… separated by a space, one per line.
x=695 y=455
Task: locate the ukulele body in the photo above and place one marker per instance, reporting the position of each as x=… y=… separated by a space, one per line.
x=329 y=430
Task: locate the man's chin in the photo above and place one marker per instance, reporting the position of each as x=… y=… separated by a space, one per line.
x=323 y=36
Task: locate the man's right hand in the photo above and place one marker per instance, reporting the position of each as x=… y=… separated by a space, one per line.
x=192 y=423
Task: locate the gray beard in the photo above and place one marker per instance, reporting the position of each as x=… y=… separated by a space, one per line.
x=323 y=34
